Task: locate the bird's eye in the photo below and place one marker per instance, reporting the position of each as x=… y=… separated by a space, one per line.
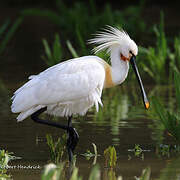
x=130 y=52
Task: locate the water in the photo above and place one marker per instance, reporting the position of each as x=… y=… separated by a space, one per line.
x=123 y=122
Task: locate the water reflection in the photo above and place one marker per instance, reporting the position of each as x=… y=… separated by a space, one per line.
x=122 y=122
x=172 y=170
x=120 y=107
x=110 y=174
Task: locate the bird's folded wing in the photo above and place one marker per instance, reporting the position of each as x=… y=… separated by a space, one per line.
x=59 y=86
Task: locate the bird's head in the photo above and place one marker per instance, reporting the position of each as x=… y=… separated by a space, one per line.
x=117 y=42
x=111 y=39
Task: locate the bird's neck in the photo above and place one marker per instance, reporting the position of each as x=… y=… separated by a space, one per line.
x=117 y=72
x=119 y=67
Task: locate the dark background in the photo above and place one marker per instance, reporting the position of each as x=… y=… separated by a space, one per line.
x=24 y=51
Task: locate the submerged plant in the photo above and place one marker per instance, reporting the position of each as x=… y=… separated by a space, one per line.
x=89 y=154
x=110 y=157
x=56 y=148
x=137 y=150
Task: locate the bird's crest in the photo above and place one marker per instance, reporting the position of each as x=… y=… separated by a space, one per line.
x=109 y=37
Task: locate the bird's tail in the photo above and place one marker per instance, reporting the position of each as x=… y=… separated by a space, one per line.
x=24 y=100
x=25 y=114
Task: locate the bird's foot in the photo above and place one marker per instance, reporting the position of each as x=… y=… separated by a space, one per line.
x=72 y=141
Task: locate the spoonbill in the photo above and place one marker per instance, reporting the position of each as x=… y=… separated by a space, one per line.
x=74 y=86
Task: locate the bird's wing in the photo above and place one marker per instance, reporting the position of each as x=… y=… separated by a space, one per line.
x=66 y=82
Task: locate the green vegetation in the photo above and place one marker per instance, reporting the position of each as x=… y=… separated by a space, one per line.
x=170 y=119
x=5 y=158
x=155 y=58
x=74 y=20
x=171 y=171
x=88 y=154
x=7 y=31
x=53 y=171
x=55 y=55
x=157 y=61
x=161 y=60
x=71 y=49
x=137 y=150
x=56 y=148
x=146 y=173
x=110 y=157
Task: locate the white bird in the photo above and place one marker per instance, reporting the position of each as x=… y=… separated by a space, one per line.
x=74 y=86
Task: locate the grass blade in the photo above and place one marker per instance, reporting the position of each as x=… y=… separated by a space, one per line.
x=95 y=173
x=160 y=111
x=10 y=33
x=57 y=50
x=48 y=52
x=4 y=26
x=177 y=87
x=71 y=49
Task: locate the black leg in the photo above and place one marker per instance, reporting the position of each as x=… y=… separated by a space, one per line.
x=73 y=136
x=72 y=140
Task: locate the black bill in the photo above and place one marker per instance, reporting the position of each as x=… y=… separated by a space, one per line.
x=133 y=63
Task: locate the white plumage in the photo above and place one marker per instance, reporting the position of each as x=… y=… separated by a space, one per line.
x=74 y=86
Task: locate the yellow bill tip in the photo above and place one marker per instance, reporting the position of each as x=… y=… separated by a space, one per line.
x=147 y=105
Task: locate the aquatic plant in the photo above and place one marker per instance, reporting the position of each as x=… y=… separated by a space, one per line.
x=163 y=150
x=146 y=174
x=167 y=150
x=52 y=171
x=57 y=148
x=110 y=157
x=156 y=57
x=170 y=119
x=138 y=152
x=161 y=61
x=55 y=55
x=89 y=154
x=5 y=157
